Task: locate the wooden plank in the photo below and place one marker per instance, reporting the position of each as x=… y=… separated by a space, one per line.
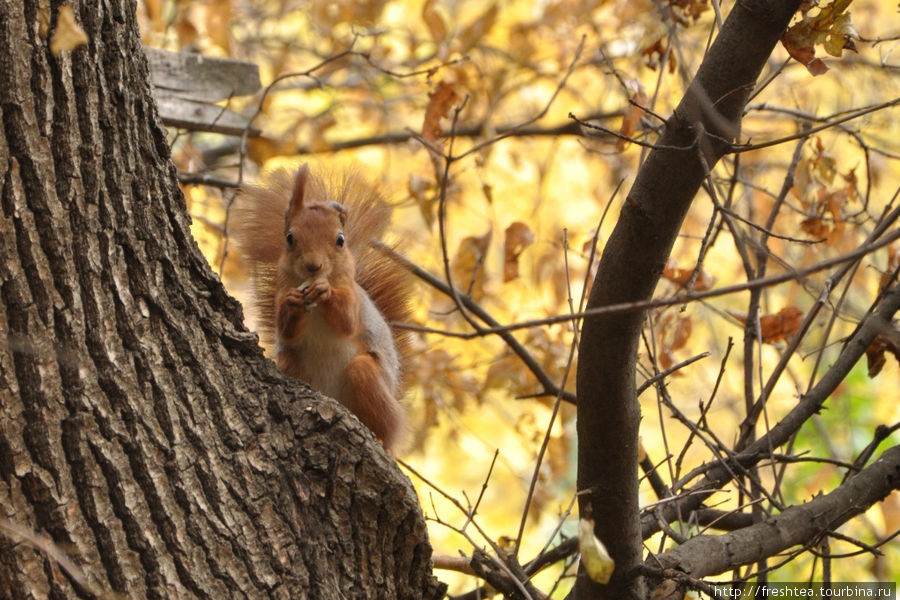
x=199 y=77
x=186 y=85
x=189 y=114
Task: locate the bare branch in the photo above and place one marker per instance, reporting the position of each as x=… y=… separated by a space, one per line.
x=716 y=474
x=709 y=555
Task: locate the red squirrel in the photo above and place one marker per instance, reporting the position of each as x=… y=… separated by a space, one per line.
x=324 y=295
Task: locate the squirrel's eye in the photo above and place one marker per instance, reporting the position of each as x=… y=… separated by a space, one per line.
x=289 y=238
x=340 y=240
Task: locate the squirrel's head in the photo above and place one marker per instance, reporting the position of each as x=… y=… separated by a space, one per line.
x=315 y=244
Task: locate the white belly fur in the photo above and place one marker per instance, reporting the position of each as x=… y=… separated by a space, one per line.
x=325 y=354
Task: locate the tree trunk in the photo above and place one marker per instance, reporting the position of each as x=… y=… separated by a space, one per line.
x=695 y=138
x=146 y=446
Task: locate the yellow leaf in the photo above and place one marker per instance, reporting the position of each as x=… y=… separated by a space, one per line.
x=155 y=13
x=594 y=556
x=186 y=31
x=68 y=34
x=435 y=21
x=261 y=149
x=468 y=264
x=480 y=27
x=890 y=509
x=218 y=23
x=418 y=188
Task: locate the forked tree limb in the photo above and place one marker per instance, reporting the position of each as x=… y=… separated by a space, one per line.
x=798 y=525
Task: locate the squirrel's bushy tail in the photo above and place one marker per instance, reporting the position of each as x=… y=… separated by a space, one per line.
x=257 y=223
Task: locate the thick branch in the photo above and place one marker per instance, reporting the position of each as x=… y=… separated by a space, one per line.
x=696 y=136
x=709 y=555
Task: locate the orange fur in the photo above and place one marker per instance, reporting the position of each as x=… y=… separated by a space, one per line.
x=312 y=296
x=370 y=399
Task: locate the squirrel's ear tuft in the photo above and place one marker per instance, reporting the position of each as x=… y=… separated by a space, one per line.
x=299 y=190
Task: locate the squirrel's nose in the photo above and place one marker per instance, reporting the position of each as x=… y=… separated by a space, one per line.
x=313 y=267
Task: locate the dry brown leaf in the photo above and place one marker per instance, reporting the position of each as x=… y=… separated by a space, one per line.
x=633 y=113
x=888 y=341
x=440 y=101
x=815 y=227
x=682 y=333
x=686 y=12
x=668 y=589
x=666 y=358
x=68 y=34
x=653 y=53
x=776 y=326
x=830 y=26
x=780 y=325
x=893 y=264
x=680 y=276
x=827 y=201
x=518 y=237
x=803 y=53
x=834 y=203
x=674 y=333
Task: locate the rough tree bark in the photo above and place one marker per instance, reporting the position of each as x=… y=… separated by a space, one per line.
x=696 y=136
x=142 y=433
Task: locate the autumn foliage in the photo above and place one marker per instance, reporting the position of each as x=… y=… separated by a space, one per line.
x=501 y=132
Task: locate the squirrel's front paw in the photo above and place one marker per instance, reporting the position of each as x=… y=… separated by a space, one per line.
x=318 y=290
x=295 y=299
